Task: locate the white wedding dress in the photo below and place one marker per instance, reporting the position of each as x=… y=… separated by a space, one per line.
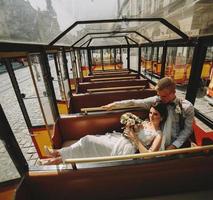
x=110 y=144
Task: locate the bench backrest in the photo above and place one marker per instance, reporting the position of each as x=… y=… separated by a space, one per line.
x=88 y=78
x=77 y=102
x=75 y=127
x=110 y=73
x=82 y=87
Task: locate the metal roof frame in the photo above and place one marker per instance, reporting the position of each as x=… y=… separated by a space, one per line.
x=115 y=36
x=161 y=20
x=113 y=32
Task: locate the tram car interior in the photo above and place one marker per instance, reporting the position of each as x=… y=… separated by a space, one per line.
x=63 y=79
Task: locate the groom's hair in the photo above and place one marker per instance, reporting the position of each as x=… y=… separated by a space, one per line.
x=166 y=83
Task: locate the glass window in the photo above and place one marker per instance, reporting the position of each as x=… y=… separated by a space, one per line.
x=204 y=100
x=178 y=66
x=134 y=59
x=56 y=75
x=151 y=62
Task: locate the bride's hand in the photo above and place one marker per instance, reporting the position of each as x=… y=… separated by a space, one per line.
x=131 y=135
x=137 y=127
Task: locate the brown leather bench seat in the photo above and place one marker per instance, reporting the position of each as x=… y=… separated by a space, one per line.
x=69 y=129
x=83 y=87
x=79 y=101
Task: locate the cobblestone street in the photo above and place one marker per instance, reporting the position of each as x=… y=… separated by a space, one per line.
x=13 y=113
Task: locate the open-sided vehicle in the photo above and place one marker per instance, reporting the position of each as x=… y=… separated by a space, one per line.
x=96 y=48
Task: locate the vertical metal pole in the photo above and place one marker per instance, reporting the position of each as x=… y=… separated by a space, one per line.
x=64 y=95
x=48 y=83
x=80 y=59
x=74 y=66
x=196 y=70
x=128 y=58
x=17 y=92
x=114 y=52
x=157 y=54
x=139 y=61
x=110 y=56
x=92 y=59
x=11 y=144
x=76 y=76
x=121 y=61
x=79 y=64
x=65 y=67
x=152 y=59
x=163 y=61
x=58 y=72
x=89 y=61
x=102 y=60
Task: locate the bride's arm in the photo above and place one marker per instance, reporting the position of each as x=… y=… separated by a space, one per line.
x=156 y=143
x=136 y=141
x=142 y=149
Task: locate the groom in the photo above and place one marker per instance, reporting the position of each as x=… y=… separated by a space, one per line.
x=178 y=126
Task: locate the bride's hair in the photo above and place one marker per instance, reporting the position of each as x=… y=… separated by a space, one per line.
x=162 y=109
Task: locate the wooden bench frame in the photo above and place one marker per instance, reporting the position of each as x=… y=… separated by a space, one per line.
x=84 y=86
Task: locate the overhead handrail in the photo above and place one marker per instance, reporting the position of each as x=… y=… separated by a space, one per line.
x=195 y=149
x=138 y=87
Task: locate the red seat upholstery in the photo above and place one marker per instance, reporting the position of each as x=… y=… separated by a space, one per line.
x=201 y=135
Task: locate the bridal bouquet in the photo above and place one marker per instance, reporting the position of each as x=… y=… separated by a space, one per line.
x=129 y=119
x=131 y=122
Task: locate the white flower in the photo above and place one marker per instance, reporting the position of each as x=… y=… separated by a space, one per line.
x=131 y=122
x=178 y=109
x=130 y=119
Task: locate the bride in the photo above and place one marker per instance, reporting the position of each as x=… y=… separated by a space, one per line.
x=138 y=136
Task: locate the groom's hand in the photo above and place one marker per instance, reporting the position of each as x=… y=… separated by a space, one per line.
x=108 y=106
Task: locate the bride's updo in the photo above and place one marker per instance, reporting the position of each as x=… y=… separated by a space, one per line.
x=162 y=109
